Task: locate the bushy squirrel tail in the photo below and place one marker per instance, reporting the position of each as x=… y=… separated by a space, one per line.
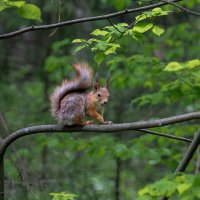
x=82 y=82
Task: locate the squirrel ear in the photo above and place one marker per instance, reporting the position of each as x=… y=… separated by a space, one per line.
x=107 y=81
x=96 y=85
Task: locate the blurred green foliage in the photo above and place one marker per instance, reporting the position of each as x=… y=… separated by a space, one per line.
x=154 y=67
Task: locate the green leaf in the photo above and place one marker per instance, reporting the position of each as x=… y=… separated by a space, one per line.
x=8 y=4
x=173 y=66
x=142 y=27
x=78 y=40
x=159 y=12
x=196 y=181
x=158 y=30
x=183 y=187
x=122 y=24
x=98 y=32
x=152 y=13
x=112 y=49
x=143 y=191
x=90 y=41
x=98 y=58
x=138 y=36
x=30 y=11
x=78 y=48
x=193 y=63
x=114 y=45
x=102 y=46
x=63 y=196
x=17 y=4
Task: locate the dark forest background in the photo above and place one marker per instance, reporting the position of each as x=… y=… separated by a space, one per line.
x=152 y=77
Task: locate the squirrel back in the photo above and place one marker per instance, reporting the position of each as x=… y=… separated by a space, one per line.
x=81 y=83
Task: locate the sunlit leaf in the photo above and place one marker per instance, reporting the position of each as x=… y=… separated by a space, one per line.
x=102 y=45
x=90 y=41
x=110 y=51
x=149 y=14
x=142 y=27
x=183 y=187
x=158 y=30
x=159 y=11
x=193 y=63
x=63 y=196
x=30 y=11
x=143 y=191
x=173 y=66
x=122 y=24
x=78 y=48
x=78 y=40
x=15 y=3
x=98 y=32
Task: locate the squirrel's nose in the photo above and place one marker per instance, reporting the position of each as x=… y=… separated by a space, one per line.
x=105 y=102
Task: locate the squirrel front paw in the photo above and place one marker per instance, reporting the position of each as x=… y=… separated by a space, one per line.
x=100 y=119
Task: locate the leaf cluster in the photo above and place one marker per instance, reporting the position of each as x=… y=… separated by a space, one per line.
x=63 y=196
x=108 y=39
x=176 y=186
x=25 y=10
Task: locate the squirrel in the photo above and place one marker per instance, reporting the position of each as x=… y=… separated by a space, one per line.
x=71 y=101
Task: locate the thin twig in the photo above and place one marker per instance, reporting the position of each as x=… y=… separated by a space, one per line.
x=181 y=7
x=59 y=11
x=114 y=26
x=165 y=135
x=128 y=27
x=81 y=20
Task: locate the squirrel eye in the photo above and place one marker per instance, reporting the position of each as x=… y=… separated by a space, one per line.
x=99 y=94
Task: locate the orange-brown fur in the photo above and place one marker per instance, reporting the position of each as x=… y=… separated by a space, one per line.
x=71 y=102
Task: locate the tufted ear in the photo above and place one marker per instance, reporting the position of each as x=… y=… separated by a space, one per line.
x=107 y=81
x=96 y=85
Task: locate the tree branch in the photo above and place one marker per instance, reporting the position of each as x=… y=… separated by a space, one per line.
x=181 y=7
x=189 y=154
x=98 y=128
x=76 y=21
